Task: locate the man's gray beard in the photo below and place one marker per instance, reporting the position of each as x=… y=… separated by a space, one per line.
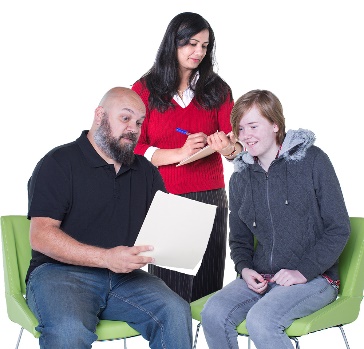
x=121 y=153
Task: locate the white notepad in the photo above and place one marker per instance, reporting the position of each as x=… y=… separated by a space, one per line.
x=206 y=151
x=179 y=229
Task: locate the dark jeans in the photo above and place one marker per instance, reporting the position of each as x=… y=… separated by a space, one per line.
x=68 y=302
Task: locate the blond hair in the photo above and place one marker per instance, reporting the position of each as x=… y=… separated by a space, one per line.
x=268 y=105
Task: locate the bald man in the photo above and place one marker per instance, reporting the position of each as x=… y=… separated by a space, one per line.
x=87 y=202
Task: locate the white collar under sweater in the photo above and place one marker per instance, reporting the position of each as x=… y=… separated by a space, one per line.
x=187 y=94
x=187 y=97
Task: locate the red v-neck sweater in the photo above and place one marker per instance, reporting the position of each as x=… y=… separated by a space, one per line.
x=159 y=130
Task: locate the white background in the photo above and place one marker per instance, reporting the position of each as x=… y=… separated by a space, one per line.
x=58 y=58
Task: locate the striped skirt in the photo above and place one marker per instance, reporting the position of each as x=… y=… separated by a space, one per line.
x=210 y=276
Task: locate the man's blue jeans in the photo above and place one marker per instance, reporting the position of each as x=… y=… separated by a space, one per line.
x=267 y=315
x=68 y=302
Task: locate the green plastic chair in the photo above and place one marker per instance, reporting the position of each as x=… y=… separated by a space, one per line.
x=344 y=310
x=16 y=256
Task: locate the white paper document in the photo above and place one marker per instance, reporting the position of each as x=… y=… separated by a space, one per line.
x=179 y=229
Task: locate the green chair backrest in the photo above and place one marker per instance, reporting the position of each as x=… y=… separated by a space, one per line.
x=16 y=252
x=352 y=261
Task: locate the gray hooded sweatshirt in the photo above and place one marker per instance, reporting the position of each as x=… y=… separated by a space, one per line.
x=295 y=211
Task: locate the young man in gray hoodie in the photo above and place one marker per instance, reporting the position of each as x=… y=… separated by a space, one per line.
x=284 y=198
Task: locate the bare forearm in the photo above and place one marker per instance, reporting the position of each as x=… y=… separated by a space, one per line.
x=193 y=144
x=46 y=237
x=167 y=156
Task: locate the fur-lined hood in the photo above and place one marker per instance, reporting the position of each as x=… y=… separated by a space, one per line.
x=294 y=148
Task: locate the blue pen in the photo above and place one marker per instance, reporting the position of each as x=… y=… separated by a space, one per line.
x=182 y=131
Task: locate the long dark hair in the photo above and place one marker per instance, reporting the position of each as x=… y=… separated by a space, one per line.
x=163 y=79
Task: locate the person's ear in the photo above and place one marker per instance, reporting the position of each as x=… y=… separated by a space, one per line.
x=275 y=128
x=99 y=113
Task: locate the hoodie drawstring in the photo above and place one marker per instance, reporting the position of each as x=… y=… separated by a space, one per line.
x=286 y=202
x=251 y=190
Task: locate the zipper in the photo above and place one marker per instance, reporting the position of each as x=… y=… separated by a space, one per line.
x=271 y=220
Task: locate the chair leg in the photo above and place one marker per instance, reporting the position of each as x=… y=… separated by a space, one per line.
x=196 y=335
x=19 y=338
x=249 y=342
x=296 y=341
x=125 y=343
x=345 y=340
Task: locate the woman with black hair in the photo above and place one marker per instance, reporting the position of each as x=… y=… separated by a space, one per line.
x=182 y=91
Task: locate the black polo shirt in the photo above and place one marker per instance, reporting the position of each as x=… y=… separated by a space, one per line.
x=73 y=184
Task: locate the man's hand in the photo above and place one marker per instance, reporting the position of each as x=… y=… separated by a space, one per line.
x=286 y=277
x=123 y=259
x=254 y=280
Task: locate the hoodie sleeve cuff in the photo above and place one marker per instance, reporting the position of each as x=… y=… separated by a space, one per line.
x=308 y=271
x=241 y=265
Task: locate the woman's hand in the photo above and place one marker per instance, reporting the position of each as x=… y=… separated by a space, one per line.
x=286 y=277
x=254 y=280
x=224 y=144
x=221 y=143
x=193 y=144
